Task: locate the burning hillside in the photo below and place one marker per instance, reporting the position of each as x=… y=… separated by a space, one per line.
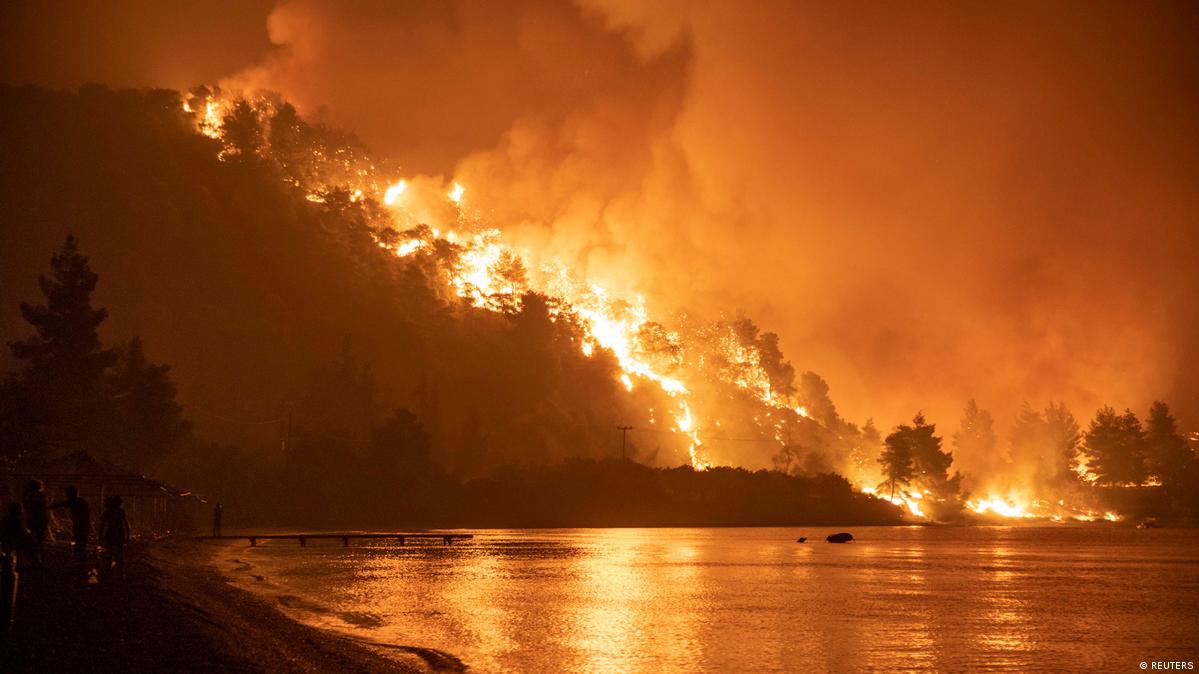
x=691 y=368
x=711 y=392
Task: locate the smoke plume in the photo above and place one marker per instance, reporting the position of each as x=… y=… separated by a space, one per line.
x=929 y=203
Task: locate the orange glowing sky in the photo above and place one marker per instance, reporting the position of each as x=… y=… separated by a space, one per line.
x=928 y=202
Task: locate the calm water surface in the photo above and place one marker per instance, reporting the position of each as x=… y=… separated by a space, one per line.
x=909 y=598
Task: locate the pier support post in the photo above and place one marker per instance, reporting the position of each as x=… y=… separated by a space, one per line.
x=303 y=542
x=253 y=542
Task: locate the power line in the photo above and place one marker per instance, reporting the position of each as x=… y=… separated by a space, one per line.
x=705 y=439
x=244 y=422
x=624 y=441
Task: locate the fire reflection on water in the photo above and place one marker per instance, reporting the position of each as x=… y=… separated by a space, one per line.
x=909 y=598
x=615 y=612
x=467 y=597
x=1006 y=617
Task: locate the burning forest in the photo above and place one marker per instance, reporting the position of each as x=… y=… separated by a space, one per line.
x=683 y=387
x=574 y=269
x=598 y=335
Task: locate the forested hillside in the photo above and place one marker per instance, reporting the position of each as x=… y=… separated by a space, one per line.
x=266 y=304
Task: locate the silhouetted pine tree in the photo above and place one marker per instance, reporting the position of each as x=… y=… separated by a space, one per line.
x=1168 y=457
x=896 y=460
x=929 y=465
x=60 y=390
x=152 y=422
x=1115 y=448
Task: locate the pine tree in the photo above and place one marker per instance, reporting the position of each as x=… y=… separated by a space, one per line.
x=66 y=348
x=1115 y=448
x=1047 y=442
x=242 y=130
x=1062 y=435
x=1168 y=457
x=60 y=389
x=896 y=460
x=152 y=422
x=814 y=398
x=1027 y=437
x=929 y=465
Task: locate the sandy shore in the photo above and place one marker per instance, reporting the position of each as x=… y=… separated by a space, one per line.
x=174 y=611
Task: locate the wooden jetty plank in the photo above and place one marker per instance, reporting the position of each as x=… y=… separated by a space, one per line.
x=400 y=537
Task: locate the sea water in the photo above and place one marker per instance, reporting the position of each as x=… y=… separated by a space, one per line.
x=1084 y=598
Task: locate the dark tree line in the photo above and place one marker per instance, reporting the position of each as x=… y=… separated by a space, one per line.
x=71 y=393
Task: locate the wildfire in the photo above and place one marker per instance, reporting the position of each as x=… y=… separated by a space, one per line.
x=393 y=192
x=1015 y=506
x=910 y=500
x=1000 y=507
x=490 y=274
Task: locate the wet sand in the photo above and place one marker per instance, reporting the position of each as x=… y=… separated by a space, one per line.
x=173 y=611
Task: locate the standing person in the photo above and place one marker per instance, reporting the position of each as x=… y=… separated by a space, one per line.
x=114 y=533
x=81 y=521
x=37 y=517
x=216 y=519
x=13 y=534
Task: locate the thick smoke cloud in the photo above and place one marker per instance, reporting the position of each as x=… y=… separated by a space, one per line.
x=929 y=203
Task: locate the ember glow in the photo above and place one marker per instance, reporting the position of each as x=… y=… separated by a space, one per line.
x=903 y=498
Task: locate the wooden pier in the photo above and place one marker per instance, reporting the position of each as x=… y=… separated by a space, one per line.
x=400 y=538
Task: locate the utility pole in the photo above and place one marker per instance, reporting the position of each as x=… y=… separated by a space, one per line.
x=624 y=441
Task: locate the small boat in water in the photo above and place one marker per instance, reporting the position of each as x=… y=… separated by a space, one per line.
x=839 y=538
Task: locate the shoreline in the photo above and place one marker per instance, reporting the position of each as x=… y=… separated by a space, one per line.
x=175 y=610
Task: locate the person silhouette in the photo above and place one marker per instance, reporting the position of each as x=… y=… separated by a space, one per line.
x=37 y=517
x=114 y=533
x=217 y=511
x=13 y=534
x=81 y=521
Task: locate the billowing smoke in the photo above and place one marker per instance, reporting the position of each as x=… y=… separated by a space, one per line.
x=928 y=203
